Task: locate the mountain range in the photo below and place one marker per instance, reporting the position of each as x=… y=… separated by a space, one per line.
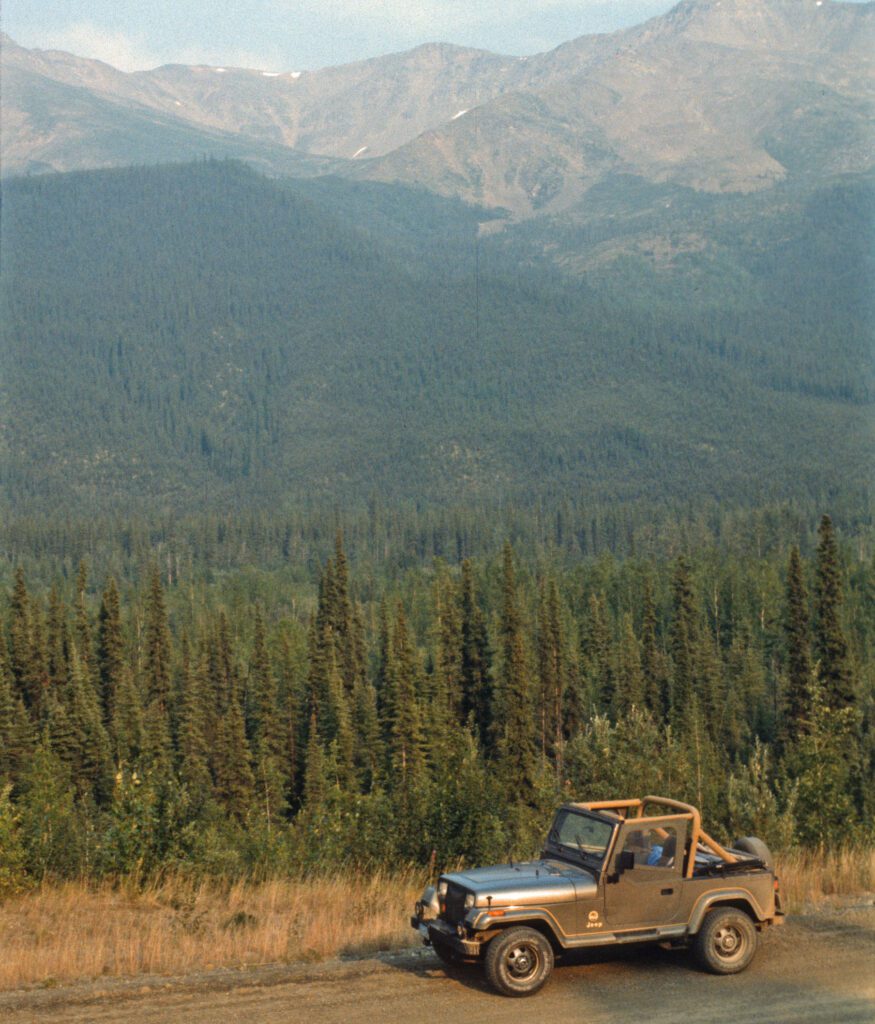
x=720 y=96
x=636 y=268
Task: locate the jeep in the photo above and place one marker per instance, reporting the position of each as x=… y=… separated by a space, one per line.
x=612 y=872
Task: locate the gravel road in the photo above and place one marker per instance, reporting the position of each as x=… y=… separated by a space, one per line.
x=817 y=969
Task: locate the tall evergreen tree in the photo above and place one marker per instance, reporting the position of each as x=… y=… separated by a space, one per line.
x=553 y=674
x=656 y=695
x=58 y=640
x=157 y=671
x=110 y=649
x=406 y=740
x=515 y=735
x=194 y=751
x=315 y=778
x=84 y=639
x=830 y=645
x=232 y=770
x=476 y=661
x=682 y=641
x=447 y=676
x=20 y=639
x=16 y=738
x=797 y=638
x=630 y=678
x=596 y=655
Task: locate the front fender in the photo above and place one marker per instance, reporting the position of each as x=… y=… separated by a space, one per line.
x=480 y=920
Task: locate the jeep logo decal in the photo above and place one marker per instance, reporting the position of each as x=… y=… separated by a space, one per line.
x=593 y=915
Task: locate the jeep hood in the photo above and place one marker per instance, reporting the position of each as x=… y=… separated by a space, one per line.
x=531 y=882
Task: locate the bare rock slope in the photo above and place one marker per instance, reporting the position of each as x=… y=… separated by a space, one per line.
x=716 y=95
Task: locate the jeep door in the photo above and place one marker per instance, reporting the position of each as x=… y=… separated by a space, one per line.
x=643 y=881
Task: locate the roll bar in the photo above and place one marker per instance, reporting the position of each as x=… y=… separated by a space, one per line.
x=624 y=808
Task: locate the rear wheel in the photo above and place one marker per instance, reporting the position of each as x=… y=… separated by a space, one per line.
x=726 y=942
x=518 y=962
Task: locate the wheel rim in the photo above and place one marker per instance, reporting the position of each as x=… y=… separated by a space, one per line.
x=729 y=943
x=523 y=961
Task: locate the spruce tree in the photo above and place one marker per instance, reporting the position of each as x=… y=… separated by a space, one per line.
x=447 y=675
x=596 y=655
x=406 y=742
x=514 y=727
x=630 y=678
x=84 y=639
x=157 y=673
x=264 y=726
x=16 y=737
x=58 y=640
x=656 y=694
x=20 y=642
x=232 y=771
x=477 y=698
x=682 y=641
x=194 y=751
x=127 y=726
x=91 y=769
x=830 y=645
x=315 y=778
x=797 y=638
x=110 y=649
x=553 y=674
x=369 y=753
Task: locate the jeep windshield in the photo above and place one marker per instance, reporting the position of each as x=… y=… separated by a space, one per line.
x=582 y=835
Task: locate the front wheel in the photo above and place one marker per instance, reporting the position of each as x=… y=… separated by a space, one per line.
x=518 y=962
x=726 y=942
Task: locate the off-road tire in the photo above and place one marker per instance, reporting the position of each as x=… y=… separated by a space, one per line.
x=726 y=942
x=757 y=848
x=518 y=962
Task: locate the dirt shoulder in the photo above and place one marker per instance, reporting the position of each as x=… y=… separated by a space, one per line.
x=818 y=969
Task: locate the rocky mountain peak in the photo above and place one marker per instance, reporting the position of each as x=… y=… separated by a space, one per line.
x=776 y=25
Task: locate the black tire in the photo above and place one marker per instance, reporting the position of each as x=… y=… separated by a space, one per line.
x=726 y=942
x=757 y=848
x=518 y=962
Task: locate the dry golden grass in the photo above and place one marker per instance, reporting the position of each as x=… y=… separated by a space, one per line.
x=60 y=933
x=809 y=877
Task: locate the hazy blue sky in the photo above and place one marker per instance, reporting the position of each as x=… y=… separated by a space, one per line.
x=301 y=34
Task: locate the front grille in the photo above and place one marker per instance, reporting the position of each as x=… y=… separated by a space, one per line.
x=454 y=904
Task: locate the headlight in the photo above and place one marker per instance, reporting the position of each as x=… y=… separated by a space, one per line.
x=442 y=887
x=469 y=901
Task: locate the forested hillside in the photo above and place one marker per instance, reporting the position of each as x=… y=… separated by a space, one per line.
x=169 y=722
x=183 y=338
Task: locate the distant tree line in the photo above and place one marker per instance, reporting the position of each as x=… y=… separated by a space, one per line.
x=447 y=709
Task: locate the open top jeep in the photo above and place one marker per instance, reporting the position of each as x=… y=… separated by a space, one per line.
x=613 y=872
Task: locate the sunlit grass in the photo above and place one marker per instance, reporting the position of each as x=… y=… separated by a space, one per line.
x=72 y=930
x=811 y=876
x=64 y=932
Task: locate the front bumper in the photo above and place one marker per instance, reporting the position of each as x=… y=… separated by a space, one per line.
x=446 y=934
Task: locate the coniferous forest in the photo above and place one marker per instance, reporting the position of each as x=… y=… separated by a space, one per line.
x=348 y=709
x=339 y=528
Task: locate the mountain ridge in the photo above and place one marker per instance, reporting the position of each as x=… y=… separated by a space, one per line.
x=687 y=87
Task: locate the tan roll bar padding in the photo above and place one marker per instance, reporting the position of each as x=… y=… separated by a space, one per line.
x=697 y=836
